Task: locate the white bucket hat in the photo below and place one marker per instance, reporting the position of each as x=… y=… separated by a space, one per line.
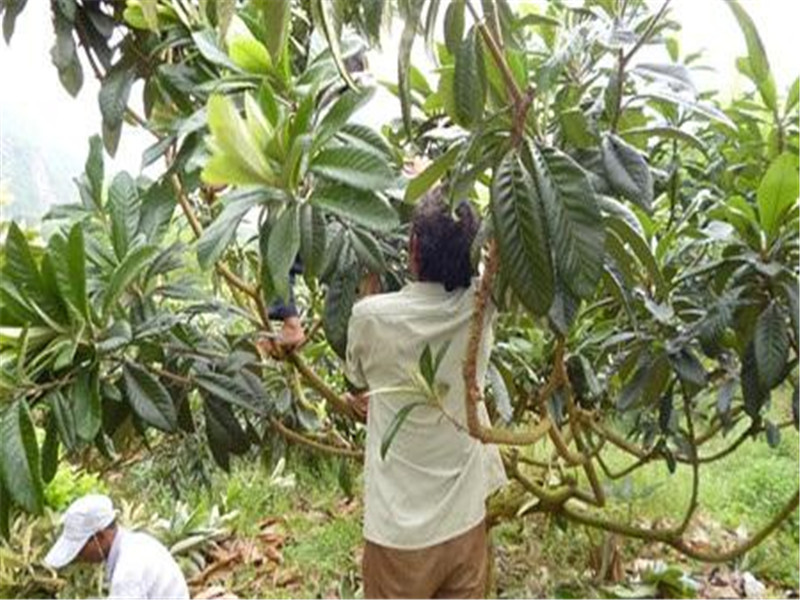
x=84 y=518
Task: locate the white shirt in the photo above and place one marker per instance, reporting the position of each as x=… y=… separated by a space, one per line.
x=139 y=566
x=433 y=483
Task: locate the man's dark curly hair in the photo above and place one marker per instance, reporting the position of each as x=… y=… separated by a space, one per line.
x=444 y=241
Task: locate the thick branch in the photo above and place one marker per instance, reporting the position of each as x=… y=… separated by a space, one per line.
x=319 y=446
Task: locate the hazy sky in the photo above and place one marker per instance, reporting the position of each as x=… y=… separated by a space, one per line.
x=34 y=98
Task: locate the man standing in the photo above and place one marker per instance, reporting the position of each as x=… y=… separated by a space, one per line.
x=424 y=506
x=137 y=565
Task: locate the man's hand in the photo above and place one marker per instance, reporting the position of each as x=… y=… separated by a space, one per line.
x=359 y=402
x=290 y=338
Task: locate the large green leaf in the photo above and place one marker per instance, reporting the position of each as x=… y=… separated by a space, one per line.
x=454 y=25
x=756 y=55
x=284 y=243
x=641 y=250
x=339 y=300
x=233 y=390
x=412 y=16
x=355 y=167
x=19 y=458
x=433 y=173
x=94 y=170
x=341 y=111
x=754 y=394
x=778 y=192
x=113 y=99
x=627 y=171
x=520 y=228
x=149 y=398
x=49 y=451
x=327 y=19
x=236 y=155
x=222 y=231
x=667 y=132
x=771 y=345
x=313 y=235
x=276 y=19
x=360 y=207
x=576 y=227
x=125 y=274
x=225 y=433
x=19 y=266
x=123 y=208
x=469 y=82
x=85 y=398
x=65 y=55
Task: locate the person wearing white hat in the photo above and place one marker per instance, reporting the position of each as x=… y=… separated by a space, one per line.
x=137 y=565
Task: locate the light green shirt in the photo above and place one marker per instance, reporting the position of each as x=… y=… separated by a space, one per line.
x=433 y=483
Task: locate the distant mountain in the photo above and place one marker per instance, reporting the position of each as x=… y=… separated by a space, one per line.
x=36 y=173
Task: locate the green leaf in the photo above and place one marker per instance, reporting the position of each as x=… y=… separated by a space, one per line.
x=61 y=409
x=149 y=398
x=123 y=207
x=150 y=13
x=222 y=231
x=368 y=250
x=365 y=138
x=339 y=300
x=701 y=108
x=206 y=43
x=641 y=249
x=236 y=157
x=125 y=274
x=359 y=207
x=313 y=234
x=777 y=193
x=519 y=224
x=627 y=171
x=86 y=406
x=677 y=76
x=793 y=97
x=94 y=170
x=341 y=111
x=325 y=17
x=754 y=394
x=574 y=219
x=689 y=368
x=225 y=433
x=19 y=458
x=12 y=11
x=250 y=55
x=64 y=55
x=668 y=132
x=412 y=18
x=418 y=186
x=771 y=345
x=49 y=450
x=575 y=128
x=469 y=82
x=276 y=20
x=353 y=166
x=19 y=266
x=284 y=243
x=113 y=98
x=233 y=390
x=756 y=55
x=394 y=426
x=454 y=25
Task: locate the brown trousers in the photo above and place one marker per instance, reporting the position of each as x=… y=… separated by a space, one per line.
x=457 y=568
